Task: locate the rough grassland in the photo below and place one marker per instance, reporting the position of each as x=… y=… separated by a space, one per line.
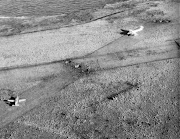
x=84 y=110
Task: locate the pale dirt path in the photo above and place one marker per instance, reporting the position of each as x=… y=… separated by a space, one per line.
x=57 y=44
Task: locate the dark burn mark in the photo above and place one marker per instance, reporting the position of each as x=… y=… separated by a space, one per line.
x=130 y=86
x=178 y=43
x=48 y=78
x=120 y=55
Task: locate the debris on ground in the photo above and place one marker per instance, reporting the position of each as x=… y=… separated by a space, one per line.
x=67 y=62
x=77 y=66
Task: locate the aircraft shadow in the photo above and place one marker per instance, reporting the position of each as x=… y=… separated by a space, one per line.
x=125 y=32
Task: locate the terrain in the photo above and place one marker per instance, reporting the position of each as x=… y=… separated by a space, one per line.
x=84 y=79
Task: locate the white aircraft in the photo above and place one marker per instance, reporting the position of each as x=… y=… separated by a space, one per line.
x=131 y=32
x=16 y=101
x=134 y=32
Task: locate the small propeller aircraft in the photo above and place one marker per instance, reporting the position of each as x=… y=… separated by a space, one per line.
x=131 y=32
x=15 y=101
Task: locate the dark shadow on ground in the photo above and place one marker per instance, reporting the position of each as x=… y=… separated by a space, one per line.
x=125 y=32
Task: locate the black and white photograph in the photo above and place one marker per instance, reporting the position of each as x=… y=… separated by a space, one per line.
x=89 y=69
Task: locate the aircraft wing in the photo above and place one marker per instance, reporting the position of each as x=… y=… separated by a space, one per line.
x=10 y=100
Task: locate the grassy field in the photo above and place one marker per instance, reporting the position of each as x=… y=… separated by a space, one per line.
x=31 y=16
x=45 y=7
x=139 y=101
x=43 y=15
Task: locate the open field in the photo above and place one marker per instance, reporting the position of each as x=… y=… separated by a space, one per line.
x=28 y=16
x=79 y=40
x=119 y=103
x=47 y=8
x=82 y=78
x=100 y=9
